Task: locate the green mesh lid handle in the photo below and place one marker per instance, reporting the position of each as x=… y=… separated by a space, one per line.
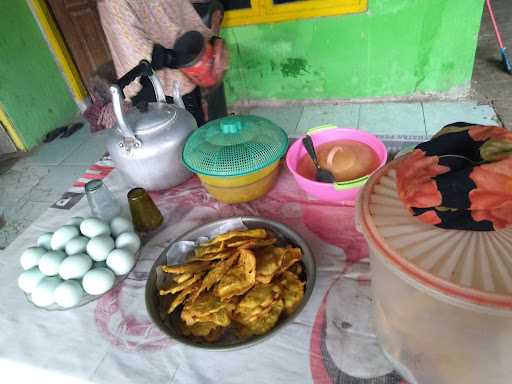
x=234 y=146
x=230 y=125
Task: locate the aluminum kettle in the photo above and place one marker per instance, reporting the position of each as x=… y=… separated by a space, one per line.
x=147 y=146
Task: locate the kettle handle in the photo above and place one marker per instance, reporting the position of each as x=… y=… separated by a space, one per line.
x=176 y=95
x=143 y=69
x=117 y=101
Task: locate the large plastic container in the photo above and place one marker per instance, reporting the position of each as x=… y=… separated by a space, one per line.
x=443 y=298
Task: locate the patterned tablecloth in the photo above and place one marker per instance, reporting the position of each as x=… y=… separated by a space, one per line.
x=112 y=339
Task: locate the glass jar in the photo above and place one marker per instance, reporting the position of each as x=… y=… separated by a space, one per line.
x=146 y=216
x=102 y=202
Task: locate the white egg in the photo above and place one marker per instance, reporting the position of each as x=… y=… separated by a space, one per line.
x=76 y=221
x=99 y=247
x=68 y=293
x=44 y=240
x=43 y=294
x=29 y=279
x=31 y=256
x=98 y=281
x=76 y=245
x=93 y=227
x=129 y=241
x=75 y=266
x=62 y=236
x=50 y=262
x=119 y=225
x=121 y=261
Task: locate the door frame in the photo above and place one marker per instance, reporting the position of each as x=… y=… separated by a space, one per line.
x=11 y=131
x=60 y=52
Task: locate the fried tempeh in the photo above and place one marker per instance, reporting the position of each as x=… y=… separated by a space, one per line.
x=215 y=274
x=205 y=305
x=214 y=256
x=291 y=256
x=239 y=279
x=253 y=233
x=293 y=291
x=182 y=277
x=268 y=263
x=214 y=248
x=264 y=323
x=253 y=243
x=183 y=295
x=194 y=267
x=179 y=287
x=257 y=301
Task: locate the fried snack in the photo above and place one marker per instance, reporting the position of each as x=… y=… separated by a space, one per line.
x=253 y=243
x=207 y=307
x=268 y=263
x=256 y=301
x=182 y=277
x=195 y=267
x=239 y=279
x=201 y=251
x=296 y=269
x=250 y=233
x=215 y=256
x=292 y=291
x=197 y=329
x=183 y=295
x=215 y=334
x=291 y=256
x=264 y=323
x=215 y=274
x=175 y=288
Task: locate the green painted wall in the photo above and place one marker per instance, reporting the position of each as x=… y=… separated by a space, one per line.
x=33 y=92
x=397 y=48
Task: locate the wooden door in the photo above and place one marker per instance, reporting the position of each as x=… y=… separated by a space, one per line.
x=79 y=23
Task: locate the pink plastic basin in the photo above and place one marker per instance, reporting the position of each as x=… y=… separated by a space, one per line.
x=335 y=192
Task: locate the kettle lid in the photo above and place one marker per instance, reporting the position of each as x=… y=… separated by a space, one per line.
x=157 y=116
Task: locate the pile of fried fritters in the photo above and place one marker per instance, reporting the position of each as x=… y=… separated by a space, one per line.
x=239 y=280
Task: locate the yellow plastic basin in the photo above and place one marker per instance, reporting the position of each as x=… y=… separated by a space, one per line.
x=241 y=189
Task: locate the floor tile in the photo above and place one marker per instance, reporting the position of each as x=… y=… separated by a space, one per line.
x=55 y=152
x=59 y=180
x=89 y=151
x=18 y=217
x=439 y=114
x=345 y=116
x=286 y=117
x=19 y=181
x=392 y=118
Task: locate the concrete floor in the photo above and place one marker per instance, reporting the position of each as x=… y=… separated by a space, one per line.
x=491 y=83
x=29 y=185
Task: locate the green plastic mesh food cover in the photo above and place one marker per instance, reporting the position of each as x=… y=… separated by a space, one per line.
x=234 y=146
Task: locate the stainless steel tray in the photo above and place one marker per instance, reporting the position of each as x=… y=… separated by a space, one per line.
x=165 y=322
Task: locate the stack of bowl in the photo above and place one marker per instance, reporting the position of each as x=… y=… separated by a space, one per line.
x=237 y=158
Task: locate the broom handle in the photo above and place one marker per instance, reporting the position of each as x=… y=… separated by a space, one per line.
x=494 y=24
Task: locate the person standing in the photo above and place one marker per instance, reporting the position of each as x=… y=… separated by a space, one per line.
x=134 y=28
